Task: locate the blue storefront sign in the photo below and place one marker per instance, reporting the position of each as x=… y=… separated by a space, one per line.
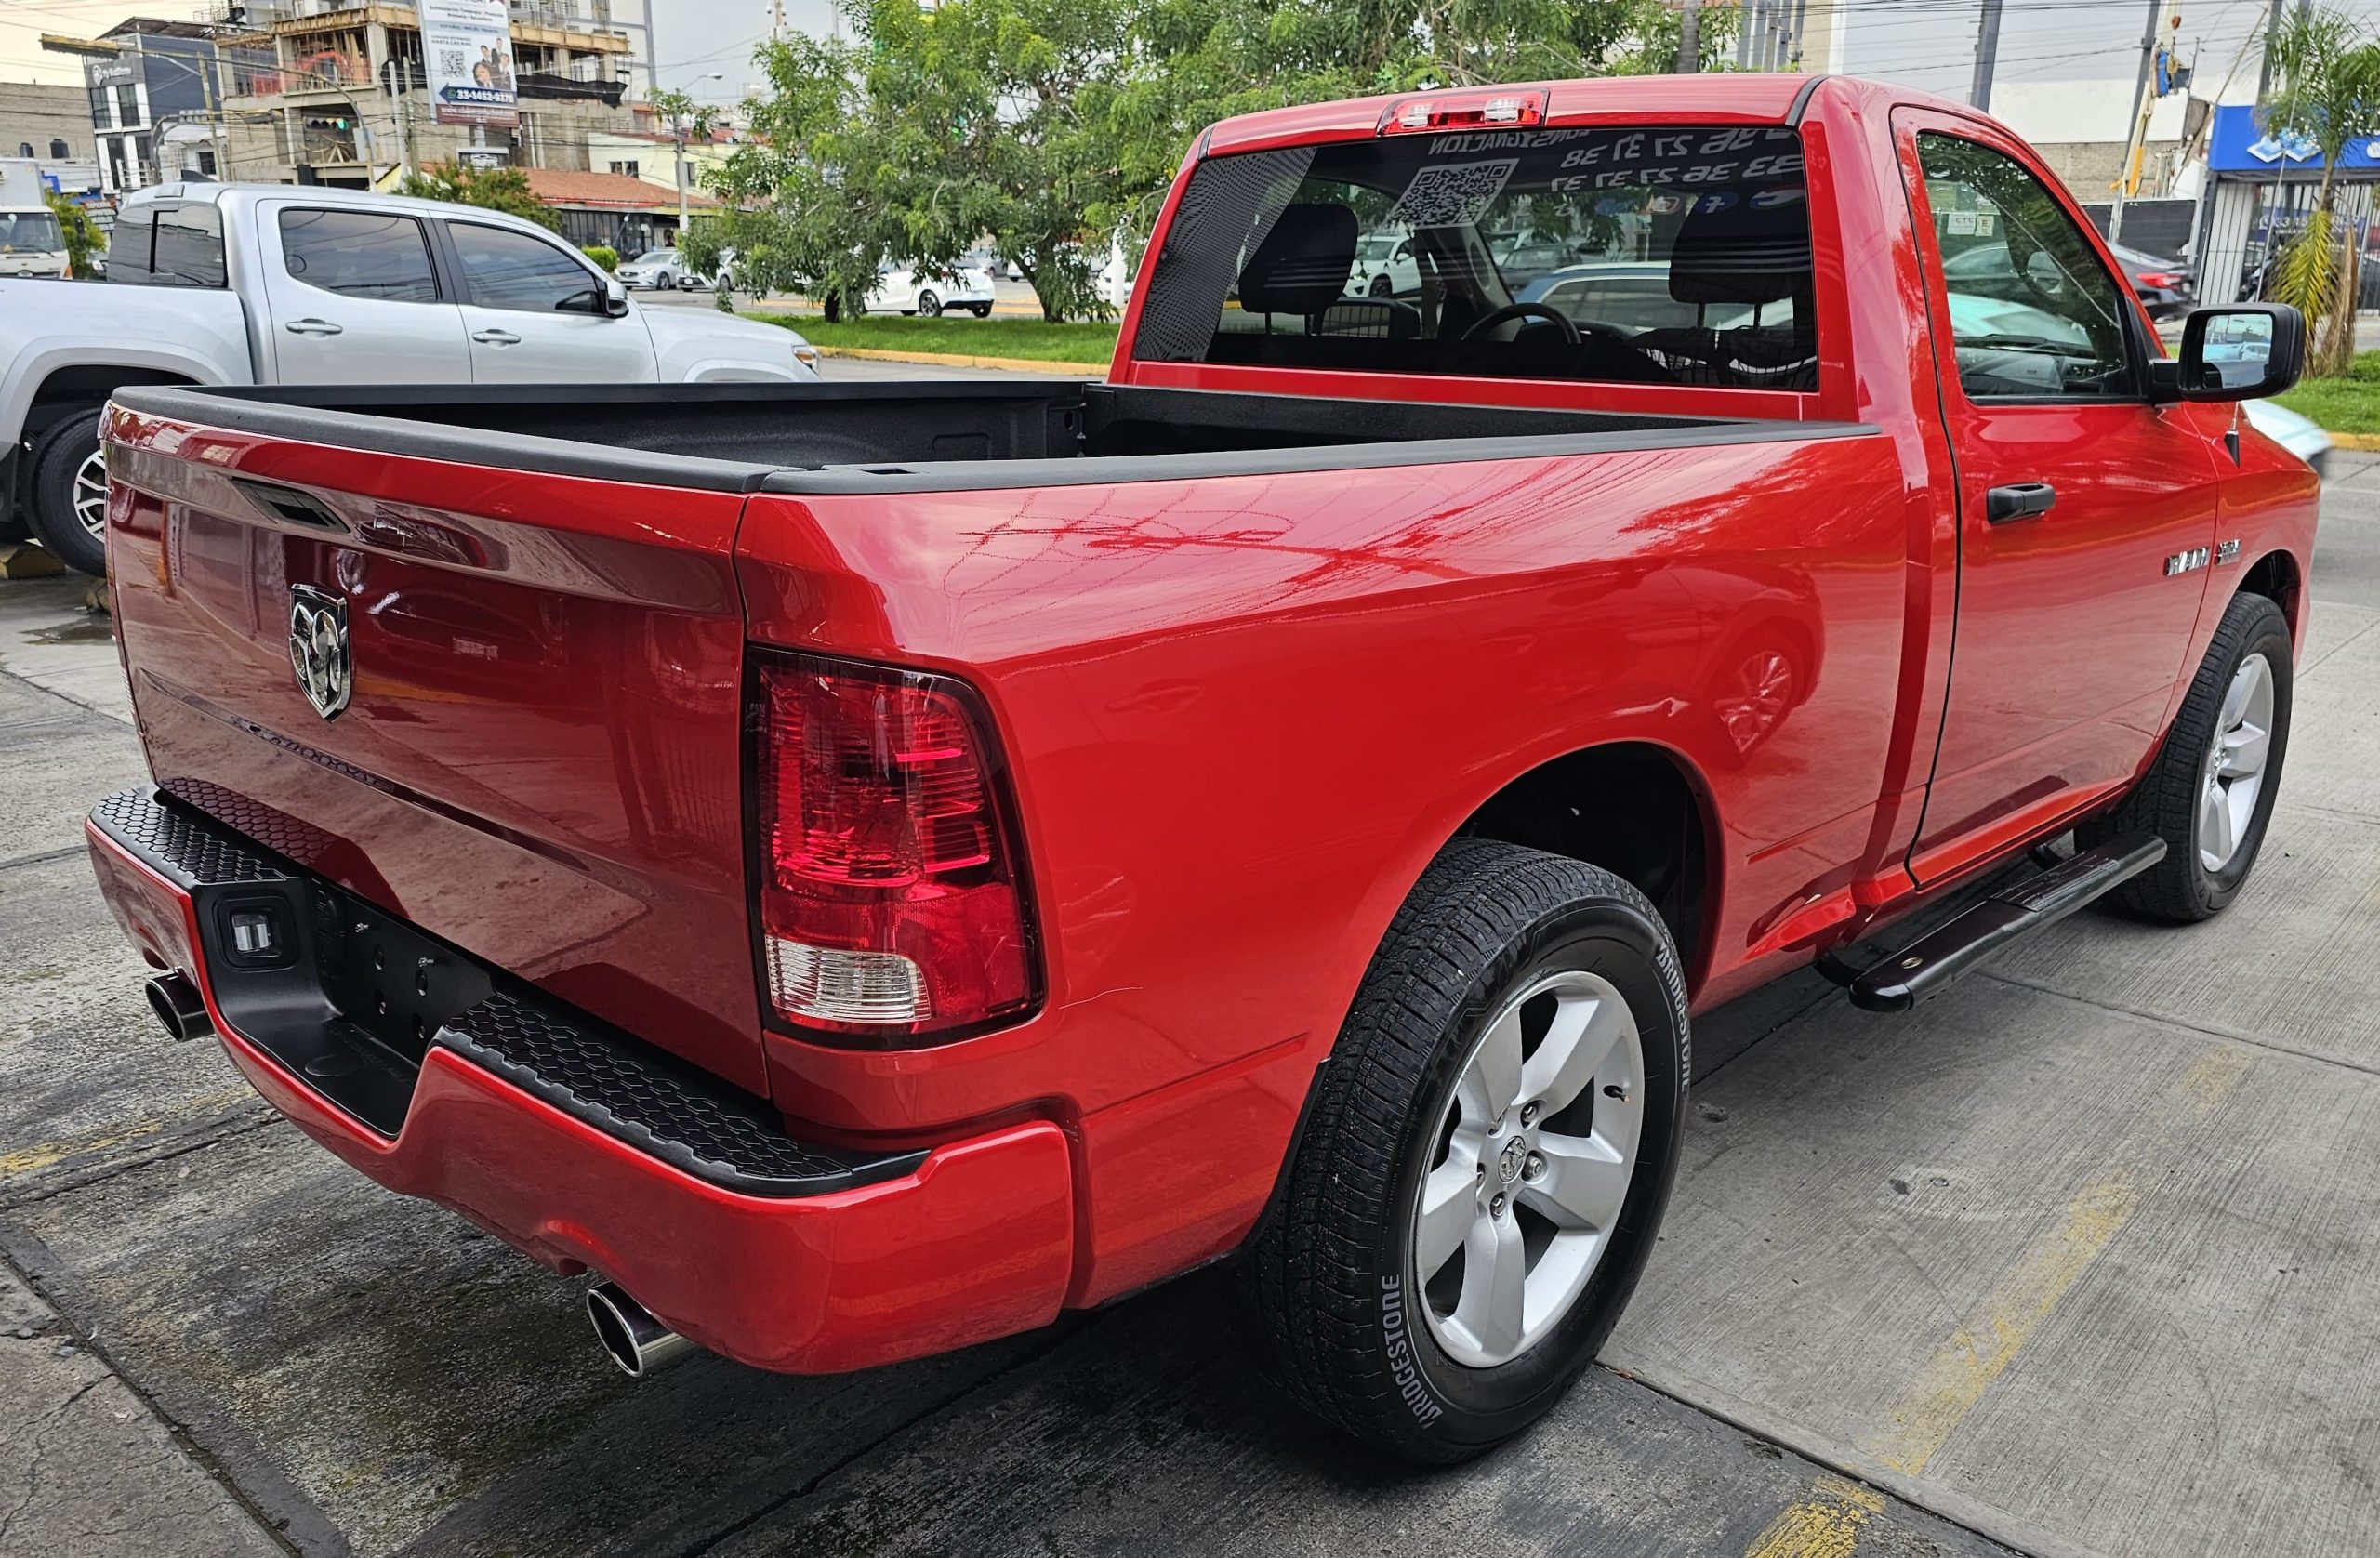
x=2242 y=146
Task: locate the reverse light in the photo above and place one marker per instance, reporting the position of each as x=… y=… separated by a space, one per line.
x=1464 y=112
x=891 y=897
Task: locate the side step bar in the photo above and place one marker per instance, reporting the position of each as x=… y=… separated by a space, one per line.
x=2011 y=913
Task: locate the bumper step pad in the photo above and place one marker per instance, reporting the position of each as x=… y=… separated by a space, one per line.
x=319 y=1006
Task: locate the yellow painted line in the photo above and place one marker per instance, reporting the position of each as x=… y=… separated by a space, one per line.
x=958 y=360
x=27 y=1160
x=1957 y=1373
x=1825 y=1525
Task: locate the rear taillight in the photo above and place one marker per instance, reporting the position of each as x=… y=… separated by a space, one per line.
x=892 y=892
x=2159 y=278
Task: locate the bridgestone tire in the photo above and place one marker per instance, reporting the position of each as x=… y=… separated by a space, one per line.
x=2180 y=888
x=1327 y=1274
x=58 y=459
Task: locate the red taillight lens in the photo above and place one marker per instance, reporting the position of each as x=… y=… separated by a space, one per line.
x=891 y=893
x=2159 y=278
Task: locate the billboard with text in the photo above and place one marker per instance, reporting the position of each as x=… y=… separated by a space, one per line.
x=467 y=52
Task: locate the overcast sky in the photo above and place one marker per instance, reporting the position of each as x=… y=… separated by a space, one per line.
x=1926 y=43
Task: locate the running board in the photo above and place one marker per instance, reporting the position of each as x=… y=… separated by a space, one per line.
x=1927 y=965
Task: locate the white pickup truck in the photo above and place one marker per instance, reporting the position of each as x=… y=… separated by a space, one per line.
x=274 y=283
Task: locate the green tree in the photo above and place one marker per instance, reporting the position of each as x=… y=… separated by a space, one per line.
x=2326 y=87
x=1055 y=127
x=809 y=209
x=495 y=188
x=994 y=118
x=82 y=236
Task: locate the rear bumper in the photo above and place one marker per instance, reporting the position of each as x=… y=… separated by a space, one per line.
x=582 y=1147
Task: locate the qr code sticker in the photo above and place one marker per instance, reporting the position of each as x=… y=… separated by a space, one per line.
x=454 y=62
x=1451 y=194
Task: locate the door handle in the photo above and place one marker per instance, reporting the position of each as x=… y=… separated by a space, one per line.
x=312 y=327
x=2019 y=500
x=496 y=337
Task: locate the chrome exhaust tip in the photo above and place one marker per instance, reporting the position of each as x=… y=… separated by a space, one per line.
x=180 y=1006
x=637 y=1342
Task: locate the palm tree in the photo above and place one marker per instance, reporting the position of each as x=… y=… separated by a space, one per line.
x=2326 y=87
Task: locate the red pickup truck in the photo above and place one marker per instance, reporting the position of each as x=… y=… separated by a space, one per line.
x=864 y=867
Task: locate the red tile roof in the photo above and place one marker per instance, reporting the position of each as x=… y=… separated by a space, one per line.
x=606 y=191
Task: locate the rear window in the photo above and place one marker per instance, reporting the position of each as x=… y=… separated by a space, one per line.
x=168 y=245
x=1667 y=254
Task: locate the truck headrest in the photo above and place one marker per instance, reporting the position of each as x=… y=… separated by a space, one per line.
x=1743 y=253
x=1301 y=266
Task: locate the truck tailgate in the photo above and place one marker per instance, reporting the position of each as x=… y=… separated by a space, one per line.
x=539 y=755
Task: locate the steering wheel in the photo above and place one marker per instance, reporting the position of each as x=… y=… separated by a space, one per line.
x=1524 y=310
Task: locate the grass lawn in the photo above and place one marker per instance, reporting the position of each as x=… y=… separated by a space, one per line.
x=2343 y=405
x=963 y=333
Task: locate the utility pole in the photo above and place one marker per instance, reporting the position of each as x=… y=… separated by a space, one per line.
x=678 y=126
x=1689 y=37
x=2142 y=106
x=1793 y=35
x=2263 y=72
x=651 y=59
x=1986 y=55
x=1747 y=16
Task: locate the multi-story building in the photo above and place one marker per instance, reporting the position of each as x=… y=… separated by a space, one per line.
x=154 y=92
x=51 y=124
x=347 y=101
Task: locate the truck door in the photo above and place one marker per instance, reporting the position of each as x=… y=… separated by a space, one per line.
x=534 y=312
x=353 y=297
x=2084 y=511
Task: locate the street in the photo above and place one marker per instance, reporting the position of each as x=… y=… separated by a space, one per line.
x=2078 y=1259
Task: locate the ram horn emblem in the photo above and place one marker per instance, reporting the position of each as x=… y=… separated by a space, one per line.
x=318 y=649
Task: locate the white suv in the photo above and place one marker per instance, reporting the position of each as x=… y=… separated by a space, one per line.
x=277 y=284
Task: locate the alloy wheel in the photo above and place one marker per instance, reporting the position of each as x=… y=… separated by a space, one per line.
x=1531 y=1163
x=91 y=491
x=2234 y=773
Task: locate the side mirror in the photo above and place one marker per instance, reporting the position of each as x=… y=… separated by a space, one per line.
x=2240 y=352
x=616 y=297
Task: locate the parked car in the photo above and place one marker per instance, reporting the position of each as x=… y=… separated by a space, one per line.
x=1386 y=266
x=863 y=869
x=2165 y=287
x=660 y=271
x=1630 y=296
x=272 y=284
x=902 y=288
x=2295 y=432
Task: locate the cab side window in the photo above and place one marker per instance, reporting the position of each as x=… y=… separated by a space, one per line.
x=514 y=270
x=2035 y=315
x=359 y=254
x=168 y=245
x=128 y=246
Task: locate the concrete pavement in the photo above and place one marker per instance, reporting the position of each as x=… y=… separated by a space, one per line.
x=2078 y=1259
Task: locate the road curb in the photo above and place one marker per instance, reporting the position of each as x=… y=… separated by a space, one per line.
x=958 y=360
x=2362 y=442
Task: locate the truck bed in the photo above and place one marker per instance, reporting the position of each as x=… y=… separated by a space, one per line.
x=923 y=436
x=554 y=596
